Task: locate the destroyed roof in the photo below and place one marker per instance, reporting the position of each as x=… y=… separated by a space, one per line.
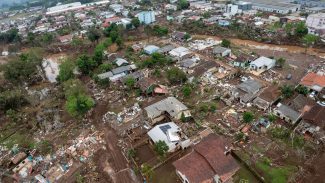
x=170 y=105
x=105 y=75
x=203 y=67
x=316 y=116
x=250 y=86
x=244 y=58
x=166 y=48
x=188 y=63
x=300 y=102
x=314 y=80
x=121 y=61
x=207 y=160
x=166 y=132
x=263 y=61
x=219 y=49
x=271 y=93
x=121 y=69
x=145 y=83
x=288 y=112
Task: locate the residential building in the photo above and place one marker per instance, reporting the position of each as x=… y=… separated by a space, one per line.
x=287 y=113
x=180 y=53
x=242 y=61
x=221 y=51
x=117 y=8
x=210 y=161
x=268 y=97
x=313 y=124
x=169 y=133
x=146 y=17
x=169 y=106
x=262 y=64
x=150 y=49
x=166 y=49
x=62 y=8
x=246 y=91
x=316 y=24
x=121 y=62
x=314 y=81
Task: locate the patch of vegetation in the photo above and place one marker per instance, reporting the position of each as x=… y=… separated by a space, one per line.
x=248 y=117
x=274 y=174
x=161 y=148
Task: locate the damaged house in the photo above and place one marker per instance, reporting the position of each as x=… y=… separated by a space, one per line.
x=148 y=86
x=246 y=91
x=168 y=107
x=209 y=161
x=313 y=124
x=268 y=97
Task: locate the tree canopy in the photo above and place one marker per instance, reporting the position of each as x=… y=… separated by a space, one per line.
x=176 y=76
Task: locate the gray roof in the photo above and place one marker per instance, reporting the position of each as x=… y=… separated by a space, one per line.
x=273 y=5
x=288 y=112
x=105 y=75
x=166 y=48
x=219 y=49
x=119 y=70
x=187 y=63
x=170 y=105
x=121 y=61
x=263 y=61
x=250 y=86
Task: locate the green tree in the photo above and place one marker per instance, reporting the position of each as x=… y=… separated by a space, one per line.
x=301 y=29
x=186 y=91
x=302 y=90
x=280 y=62
x=130 y=82
x=225 y=43
x=176 y=76
x=135 y=22
x=119 y=42
x=309 y=40
x=12 y=99
x=147 y=171
x=271 y=117
x=183 y=118
x=31 y=38
x=22 y=68
x=93 y=35
x=287 y=91
x=161 y=148
x=289 y=29
x=248 y=117
x=47 y=38
x=79 y=105
x=187 y=36
x=85 y=64
x=66 y=70
x=99 y=54
x=183 y=4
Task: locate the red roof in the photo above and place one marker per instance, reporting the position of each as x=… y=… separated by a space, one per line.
x=111 y=20
x=207 y=160
x=312 y=79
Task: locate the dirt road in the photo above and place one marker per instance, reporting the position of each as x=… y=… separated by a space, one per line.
x=270 y=47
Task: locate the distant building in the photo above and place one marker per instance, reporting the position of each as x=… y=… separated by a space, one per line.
x=275 y=7
x=64 y=8
x=244 y=6
x=146 y=17
x=221 y=51
x=316 y=24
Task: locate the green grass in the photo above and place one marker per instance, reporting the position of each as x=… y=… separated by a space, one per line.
x=20 y=139
x=274 y=174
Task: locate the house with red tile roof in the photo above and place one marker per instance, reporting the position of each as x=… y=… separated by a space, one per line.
x=209 y=162
x=314 y=81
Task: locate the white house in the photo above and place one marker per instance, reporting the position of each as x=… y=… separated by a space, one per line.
x=262 y=64
x=179 y=53
x=167 y=132
x=221 y=51
x=146 y=17
x=316 y=24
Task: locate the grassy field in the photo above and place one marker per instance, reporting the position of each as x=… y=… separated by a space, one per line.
x=272 y=173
